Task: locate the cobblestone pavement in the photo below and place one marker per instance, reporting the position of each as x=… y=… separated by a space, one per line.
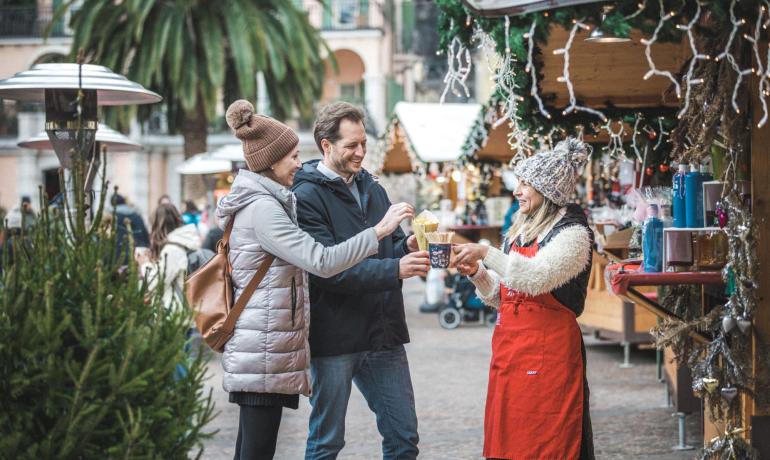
x=449 y=373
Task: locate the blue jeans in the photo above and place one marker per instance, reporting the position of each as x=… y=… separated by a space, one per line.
x=383 y=378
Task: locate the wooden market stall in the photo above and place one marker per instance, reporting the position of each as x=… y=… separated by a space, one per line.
x=608 y=76
x=605 y=315
x=427 y=139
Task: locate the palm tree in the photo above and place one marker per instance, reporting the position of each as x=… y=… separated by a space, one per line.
x=194 y=51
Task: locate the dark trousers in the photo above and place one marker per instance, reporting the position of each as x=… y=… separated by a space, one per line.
x=257 y=432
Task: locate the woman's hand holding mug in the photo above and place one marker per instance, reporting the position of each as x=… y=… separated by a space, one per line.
x=469 y=254
x=393 y=218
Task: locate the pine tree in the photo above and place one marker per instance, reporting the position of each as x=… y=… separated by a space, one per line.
x=89 y=357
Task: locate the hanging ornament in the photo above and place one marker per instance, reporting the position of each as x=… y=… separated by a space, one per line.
x=664 y=168
x=648 y=170
x=710 y=384
x=744 y=324
x=728 y=323
x=721 y=213
x=729 y=393
x=652 y=135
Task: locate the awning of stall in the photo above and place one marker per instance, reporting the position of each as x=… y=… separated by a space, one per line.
x=427 y=133
x=494 y=8
x=594 y=85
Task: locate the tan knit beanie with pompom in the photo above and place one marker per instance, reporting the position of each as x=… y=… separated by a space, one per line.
x=265 y=140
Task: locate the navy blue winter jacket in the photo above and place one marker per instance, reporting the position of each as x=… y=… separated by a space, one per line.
x=362 y=308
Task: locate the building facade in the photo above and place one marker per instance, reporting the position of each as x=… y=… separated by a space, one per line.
x=371 y=64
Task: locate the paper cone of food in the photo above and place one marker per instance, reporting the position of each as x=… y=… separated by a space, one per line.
x=425 y=222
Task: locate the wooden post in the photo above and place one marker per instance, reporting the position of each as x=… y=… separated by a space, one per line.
x=760 y=197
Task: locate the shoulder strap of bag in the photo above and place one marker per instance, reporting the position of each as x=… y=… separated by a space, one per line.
x=228 y=229
x=243 y=299
x=248 y=291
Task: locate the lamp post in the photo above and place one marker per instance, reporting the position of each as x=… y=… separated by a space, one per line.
x=71 y=94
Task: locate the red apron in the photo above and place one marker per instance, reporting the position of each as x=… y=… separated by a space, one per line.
x=535 y=396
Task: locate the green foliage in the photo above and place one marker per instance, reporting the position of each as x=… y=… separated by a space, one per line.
x=88 y=355
x=188 y=50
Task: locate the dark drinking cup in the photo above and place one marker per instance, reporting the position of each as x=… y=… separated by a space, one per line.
x=440 y=254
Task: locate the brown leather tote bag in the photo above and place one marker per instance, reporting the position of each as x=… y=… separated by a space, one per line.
x=209 y=293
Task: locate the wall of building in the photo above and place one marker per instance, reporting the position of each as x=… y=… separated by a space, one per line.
x=20 y=54
x=9 y=196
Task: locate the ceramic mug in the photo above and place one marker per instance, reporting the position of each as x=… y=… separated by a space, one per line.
x=440 y=254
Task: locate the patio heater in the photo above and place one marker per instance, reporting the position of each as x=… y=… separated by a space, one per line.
x=71 y=94
x=104 y=137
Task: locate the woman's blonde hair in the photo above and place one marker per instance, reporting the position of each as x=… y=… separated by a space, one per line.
x=529 y=226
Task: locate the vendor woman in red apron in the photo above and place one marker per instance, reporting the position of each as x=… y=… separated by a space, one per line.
x=537 y=399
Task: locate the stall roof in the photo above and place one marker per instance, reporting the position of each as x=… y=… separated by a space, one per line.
x=436 y=132
x=493 y=8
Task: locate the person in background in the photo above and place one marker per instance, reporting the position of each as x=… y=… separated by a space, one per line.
x=266 y=362
x=125 y=212
x=191 y=214
x=166 y=260
x=11 y=232
x=537 y=398
x=213 y=236
x=29 y=218
x=359 y=325
x=164 y=199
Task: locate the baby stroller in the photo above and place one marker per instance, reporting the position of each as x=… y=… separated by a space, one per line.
x=464 y=306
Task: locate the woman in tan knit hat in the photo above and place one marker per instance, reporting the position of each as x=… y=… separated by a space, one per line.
x=266 y=362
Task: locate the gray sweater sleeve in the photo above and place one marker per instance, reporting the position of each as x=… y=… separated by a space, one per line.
x=281 y=237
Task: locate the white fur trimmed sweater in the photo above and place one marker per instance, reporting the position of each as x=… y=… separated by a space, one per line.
x=560 y=266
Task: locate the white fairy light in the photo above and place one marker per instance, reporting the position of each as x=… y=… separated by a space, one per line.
x=727 y=55
x=763 y=75
x=648 y=51
x=573 y=106
x=615 y=145
x=518 y=139
x=696 y=56
x=458 y=67
x=640 y=9
x=580 y=132
x=530 y=68
x=506 y=85
x=487 y=46
x=661 y=133
x=638 y=154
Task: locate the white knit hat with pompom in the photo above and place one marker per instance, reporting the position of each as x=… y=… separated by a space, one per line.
x=554 y=173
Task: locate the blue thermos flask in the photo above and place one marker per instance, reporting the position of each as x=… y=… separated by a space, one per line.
x=693 y=197
x=678 y=201
x=652 y=241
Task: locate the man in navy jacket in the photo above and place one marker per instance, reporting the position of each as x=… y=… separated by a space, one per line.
x=358 y=328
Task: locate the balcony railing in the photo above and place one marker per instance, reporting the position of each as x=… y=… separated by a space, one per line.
x=343 y=14
x=30 y=22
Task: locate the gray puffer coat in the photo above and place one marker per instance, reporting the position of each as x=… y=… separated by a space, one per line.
x=269 y=351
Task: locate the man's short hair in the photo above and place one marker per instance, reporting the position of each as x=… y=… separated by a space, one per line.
x=327 y=123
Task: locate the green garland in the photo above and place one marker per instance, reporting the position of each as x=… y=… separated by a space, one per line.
x=456 y=20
